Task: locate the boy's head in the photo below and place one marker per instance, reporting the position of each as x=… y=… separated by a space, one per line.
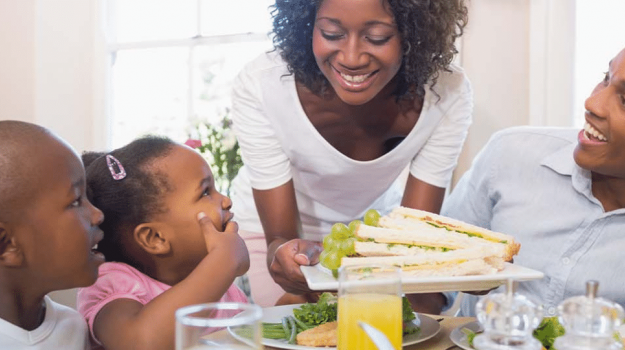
x=47 y=225
x=151 y=213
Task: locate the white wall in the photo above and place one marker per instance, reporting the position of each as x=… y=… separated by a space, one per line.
x=518 y=55
x=17 y=61
x=47 y=69
x=51 y=72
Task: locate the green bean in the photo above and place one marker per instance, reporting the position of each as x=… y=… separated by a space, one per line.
x=273 y=331
x=301 y=324
x=293 y=329
x=285 y=326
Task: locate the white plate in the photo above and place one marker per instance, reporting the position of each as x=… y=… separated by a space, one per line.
x=429 y=328
x=460 y=339
x=320 y=278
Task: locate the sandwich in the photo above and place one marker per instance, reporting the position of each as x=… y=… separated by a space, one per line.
x=402 y=218
x=471 y=261
x=426 y=244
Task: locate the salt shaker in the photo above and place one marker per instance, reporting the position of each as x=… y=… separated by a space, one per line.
x=509 y=319
x=589 y=321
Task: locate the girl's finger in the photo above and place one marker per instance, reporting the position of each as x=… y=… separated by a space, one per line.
x=206 y=223
x=232 y=227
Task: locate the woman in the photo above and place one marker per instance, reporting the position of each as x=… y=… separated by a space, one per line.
x=355 y=92
x=561 y=193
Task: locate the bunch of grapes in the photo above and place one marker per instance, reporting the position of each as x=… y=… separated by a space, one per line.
x=340 y=241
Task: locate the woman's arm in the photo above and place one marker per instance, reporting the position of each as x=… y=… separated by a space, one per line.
x=421 y=195
x=279 y=216
x=269 y=171
x=436 y=162
x=127 y=324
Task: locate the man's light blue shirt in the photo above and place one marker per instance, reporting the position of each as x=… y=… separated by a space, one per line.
x=526 y=183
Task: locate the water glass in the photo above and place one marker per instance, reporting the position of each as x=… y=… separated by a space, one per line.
x=371 y=294
x=219 y=326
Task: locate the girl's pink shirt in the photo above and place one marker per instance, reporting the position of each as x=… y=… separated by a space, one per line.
x=119 y=280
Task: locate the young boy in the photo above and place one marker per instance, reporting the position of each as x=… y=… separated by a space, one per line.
x=47 y=231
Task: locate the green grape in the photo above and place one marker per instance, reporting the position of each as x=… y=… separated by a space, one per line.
x=347 y=246
x=323 y=256
x=340 y=231
x=353 y=226
x=332 y=260
x=329 y=243
x=372 y=217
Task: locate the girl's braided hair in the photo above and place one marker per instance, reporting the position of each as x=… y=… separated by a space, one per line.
x=428 y=29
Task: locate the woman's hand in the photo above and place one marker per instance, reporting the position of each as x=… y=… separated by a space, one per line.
x=286 y=262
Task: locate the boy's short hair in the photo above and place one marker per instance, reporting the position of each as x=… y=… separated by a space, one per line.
x=17 y=144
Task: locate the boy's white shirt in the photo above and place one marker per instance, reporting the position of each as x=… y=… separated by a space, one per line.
x=62 y=328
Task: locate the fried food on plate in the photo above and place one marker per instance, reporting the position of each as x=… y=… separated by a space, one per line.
x=322 y=335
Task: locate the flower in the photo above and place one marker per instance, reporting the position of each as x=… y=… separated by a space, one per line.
x=193 y=143
x=218 y=145
x=228 y=139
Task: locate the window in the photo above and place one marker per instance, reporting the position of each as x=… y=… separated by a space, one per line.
x=172 y=61
x=600 y=35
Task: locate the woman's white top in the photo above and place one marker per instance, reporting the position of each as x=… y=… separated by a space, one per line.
x=279 y=143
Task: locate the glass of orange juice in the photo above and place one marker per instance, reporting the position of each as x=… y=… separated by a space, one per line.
x=372 y=294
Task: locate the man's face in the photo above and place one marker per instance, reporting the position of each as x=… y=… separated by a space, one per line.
x=601 y=147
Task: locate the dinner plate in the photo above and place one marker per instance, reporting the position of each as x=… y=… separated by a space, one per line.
x=429 y=328
x=320 y=278
x=460 y=339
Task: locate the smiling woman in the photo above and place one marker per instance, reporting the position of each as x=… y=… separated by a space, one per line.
x=356 y=92
x=358 y=61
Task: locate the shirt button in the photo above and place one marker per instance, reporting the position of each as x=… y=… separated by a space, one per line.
x=551 y=311
x=566 y=260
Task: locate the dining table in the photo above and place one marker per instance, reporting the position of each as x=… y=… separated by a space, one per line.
x=441 y=340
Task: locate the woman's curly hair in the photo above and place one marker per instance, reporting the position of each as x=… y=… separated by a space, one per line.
x=428 y=30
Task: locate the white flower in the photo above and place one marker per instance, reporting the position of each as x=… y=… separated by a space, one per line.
x=229 y=140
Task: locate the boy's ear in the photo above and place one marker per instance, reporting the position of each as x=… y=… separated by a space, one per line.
x=11 y=254
x=150 y=238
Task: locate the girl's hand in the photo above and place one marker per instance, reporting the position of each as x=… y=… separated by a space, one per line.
x=285 y=266
x=227 y=241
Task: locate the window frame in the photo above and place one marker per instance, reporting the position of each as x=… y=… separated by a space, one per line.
x=110 y=48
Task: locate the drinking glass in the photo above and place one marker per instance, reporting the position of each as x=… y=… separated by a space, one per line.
x=235 y=326
x=371 y=294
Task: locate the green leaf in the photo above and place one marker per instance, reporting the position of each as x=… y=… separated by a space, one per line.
x=323 y=311
x=548 y=330
x=407 y=314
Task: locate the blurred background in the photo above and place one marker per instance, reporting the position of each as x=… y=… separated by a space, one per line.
x=103 y=72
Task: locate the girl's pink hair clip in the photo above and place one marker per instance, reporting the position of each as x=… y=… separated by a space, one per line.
x=110 y=162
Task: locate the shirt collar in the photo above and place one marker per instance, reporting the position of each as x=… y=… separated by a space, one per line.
x=562 y=162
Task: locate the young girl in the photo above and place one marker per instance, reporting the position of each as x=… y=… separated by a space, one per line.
x=168 y=240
